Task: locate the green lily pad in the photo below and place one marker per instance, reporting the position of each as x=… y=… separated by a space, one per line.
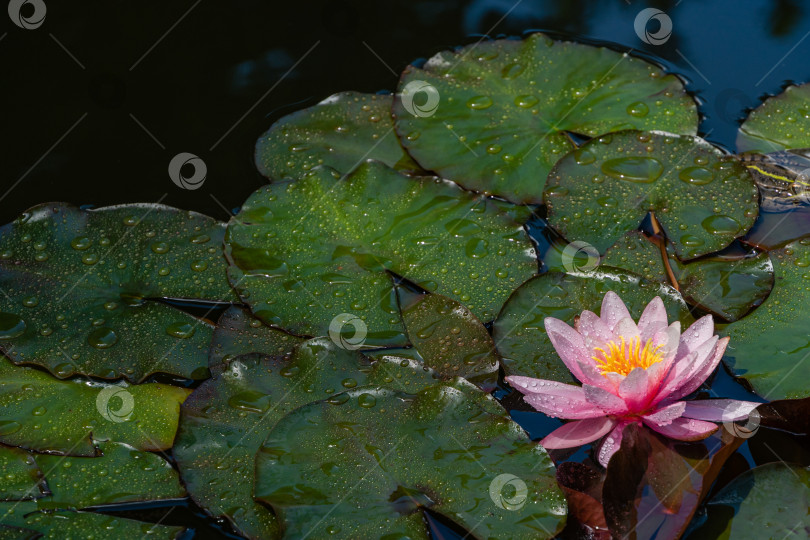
x=44 y=414
x=769 y=501
x=363 y=466
x=727 y=285
x=701 y=198
x=519 y=332
x=781 y=122
x=311 y=256
x=120 y=475
x=22 y=478
x=79 y=287
x=26 y=517
x=493 y=116
x=225 y=420
x=341 y=132
x=449 y=338
x=238 y=333
x=769 y=347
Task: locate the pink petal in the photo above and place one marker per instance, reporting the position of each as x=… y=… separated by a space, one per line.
x=613 y=310
x=634 y=389
x=666 y=415
x=683 y=371
x=696 y=335
x=608 y=402
x=719 y=410
x=653 y=319
x=627 y=328
x=706 y=368
x=578 y=432
x=669 y=338
x=611 y=444
x=684 y=429
x=570 y=346
x=554 y=398
x=594 y=331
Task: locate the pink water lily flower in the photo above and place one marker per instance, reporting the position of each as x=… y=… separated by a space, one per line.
x=630 y=373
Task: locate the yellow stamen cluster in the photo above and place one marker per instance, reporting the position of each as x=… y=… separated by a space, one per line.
x=623 y=358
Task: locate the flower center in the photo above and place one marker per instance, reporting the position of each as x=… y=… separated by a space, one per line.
x=625 y=357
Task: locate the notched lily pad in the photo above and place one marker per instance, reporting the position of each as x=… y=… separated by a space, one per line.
x=22 y=479
x=701 y=198
x=519 y=331
x=311 y=256
x=365 y=465
x=342 y=131
x=781 y=122
x=449 y=338
x=238 y=332
x=80 y=289
x=727 y=284
x=769 y=347
x=44 y=414
x=225 y=420
x=493 y=116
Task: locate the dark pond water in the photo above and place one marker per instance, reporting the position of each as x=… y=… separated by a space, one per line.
x=103 y=94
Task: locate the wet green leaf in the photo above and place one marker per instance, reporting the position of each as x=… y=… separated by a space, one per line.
x=68 y=524
x=781 y=122
x=769 y=501
x=22 y=478
x=769 y=347
x=342 y=131
x=492 y=116
x=44 y=414
x=120 y=475
x=79 y=288
x=449 y=338
x=728 y=285
x=701 y=198
x=238 y=332
x=225 y=420
x=519 y=332
x=311 y=255
x=363 y=466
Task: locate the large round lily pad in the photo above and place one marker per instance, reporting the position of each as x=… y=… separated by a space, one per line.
x=44 y=414
x=225 y=420
x=238 y=332
x=728 y=285
x=702 y=198
x=769 y=347
x=781 y=122
x=341 y=131
x=311 y=255
x=22 y=478
x=519 y=331
x=769 y=501
x=363 y=466
x=492 y=116
x=79 y=288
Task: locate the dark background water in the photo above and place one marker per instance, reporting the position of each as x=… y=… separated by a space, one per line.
x=98 y=99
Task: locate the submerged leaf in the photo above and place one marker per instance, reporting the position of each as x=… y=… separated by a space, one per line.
x=311 y=255
x=342 y=131
x=701 y=198
x=493 y=116
x=80 y=289
x=363 y=466
x=519 y=331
